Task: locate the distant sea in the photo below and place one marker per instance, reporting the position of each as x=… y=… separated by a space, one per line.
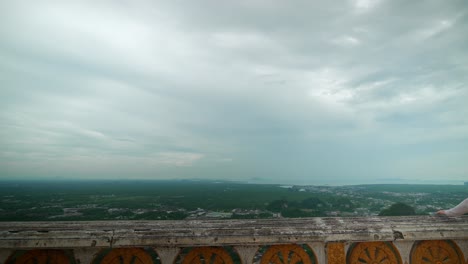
x=286 y=182
x=359 y=182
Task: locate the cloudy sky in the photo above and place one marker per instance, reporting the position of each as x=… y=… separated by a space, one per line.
x=336 y=92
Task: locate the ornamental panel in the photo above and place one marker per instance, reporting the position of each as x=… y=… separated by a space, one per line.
x=207 y=255
x=126 y=256
x=336 y=253
x=436 y=252
x=373 y=253
x=288 y=254
x=41 y=256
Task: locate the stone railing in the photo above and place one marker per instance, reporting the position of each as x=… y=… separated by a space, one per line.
x=420 y=239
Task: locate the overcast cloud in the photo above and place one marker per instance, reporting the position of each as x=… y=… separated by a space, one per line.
x=336 y=92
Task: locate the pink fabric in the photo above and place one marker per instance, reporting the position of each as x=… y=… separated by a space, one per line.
x=458 y=210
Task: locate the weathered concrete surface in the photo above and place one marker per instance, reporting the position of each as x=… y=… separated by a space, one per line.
x=19 y=235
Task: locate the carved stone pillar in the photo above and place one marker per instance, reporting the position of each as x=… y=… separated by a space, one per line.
x=404 y=247
x=246 y=253
x=463 y=245
x=85 y=255
x=319 y=251
x=167 y=255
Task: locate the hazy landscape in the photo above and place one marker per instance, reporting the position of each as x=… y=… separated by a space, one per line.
x=203 y=199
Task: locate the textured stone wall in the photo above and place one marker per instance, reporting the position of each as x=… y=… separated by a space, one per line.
x=308 y=241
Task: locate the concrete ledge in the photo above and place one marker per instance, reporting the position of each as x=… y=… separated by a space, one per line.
x=18 y=235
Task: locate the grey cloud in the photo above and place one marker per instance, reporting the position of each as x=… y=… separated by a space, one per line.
x=174 y=89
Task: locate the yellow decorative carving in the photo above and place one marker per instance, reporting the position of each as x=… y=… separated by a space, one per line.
x=208 y=255
x=285 y=254
x=127 y=256
x=336 y=253
x=436 y=252
x=374 y=253
x=46 y=256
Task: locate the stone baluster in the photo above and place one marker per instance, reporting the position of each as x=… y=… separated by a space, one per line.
x=246 y=253
x=167 y=255
x=85 y=255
